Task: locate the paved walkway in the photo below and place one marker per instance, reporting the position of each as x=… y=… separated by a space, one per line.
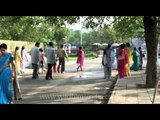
x=129 y=91
x=72 y=87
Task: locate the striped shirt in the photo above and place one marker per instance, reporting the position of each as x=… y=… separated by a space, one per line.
x=50 y=54
x=34 y=55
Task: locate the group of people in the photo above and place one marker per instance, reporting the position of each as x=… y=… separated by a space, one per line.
x=123 y=56
x=13 y=64
x=37 y=58
x=52 y=58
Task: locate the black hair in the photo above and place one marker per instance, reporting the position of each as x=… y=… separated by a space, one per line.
x=3 y=45
x=122 y=46
x=41 y=50
x=17 y=48
x=61 y=46
x=37 y=44
x=80 y=47
x=109 y=46
x=23 y=47
x=128 y=44
x=51 y=44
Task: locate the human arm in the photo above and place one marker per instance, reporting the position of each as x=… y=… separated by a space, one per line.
x=13 y=68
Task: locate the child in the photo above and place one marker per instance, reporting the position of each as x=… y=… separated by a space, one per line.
x=41 y=59
x=55 y=67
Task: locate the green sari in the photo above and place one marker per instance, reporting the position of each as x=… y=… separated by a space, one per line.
x=135 y=65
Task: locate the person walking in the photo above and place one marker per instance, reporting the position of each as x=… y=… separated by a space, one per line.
x=24 y=59
x=34 y=52
x=80 y=58
x=61 y=55
x=50 y=55
x=7 y=75
x=18 y=59
x=107 y=62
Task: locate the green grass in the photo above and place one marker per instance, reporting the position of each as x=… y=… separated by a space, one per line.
x=74 y=57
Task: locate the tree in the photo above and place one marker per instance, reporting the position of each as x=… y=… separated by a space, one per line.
x=132 y=26
x=125 y=27
x=151 y=37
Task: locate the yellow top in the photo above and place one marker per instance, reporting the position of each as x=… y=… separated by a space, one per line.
x=18 y=57
x=129 y=54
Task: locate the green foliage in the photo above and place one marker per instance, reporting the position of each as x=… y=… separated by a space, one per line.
x=128 y=26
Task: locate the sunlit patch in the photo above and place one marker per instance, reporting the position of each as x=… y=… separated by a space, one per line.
x=32 y=93
x=88 y=73
x=96 y=88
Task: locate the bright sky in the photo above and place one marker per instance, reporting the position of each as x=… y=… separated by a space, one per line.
x=78 y=26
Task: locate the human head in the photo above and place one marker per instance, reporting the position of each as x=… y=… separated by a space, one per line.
x=109 y=46
x=122 y=46
x=17 y=48
x=51 y=44
x=3 y=48
x=37 y=44
x=127 y=44
x=139 y=48
x=23 y=47
x=41 y=50
x=61 y=46
x=80 y=48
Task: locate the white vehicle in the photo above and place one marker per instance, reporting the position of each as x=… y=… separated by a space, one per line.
x=67 y=47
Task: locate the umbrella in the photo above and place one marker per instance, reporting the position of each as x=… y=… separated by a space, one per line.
x=96 y=44
x=115 y=45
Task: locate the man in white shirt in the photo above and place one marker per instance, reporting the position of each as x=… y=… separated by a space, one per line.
x=107 y=62
x=34 y=52
x=50 y=54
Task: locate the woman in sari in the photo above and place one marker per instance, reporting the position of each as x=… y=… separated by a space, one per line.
x=121 y=61
x=129 y=58
x=80 y=58
x=6 y=75
x=135 y=55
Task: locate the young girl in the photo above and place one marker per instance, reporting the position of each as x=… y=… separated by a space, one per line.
x=41 y=59
x=55 y=66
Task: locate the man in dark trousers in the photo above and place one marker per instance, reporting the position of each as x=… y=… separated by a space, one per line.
x=50 y=55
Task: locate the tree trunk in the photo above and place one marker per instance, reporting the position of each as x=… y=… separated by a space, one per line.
x=151 y=37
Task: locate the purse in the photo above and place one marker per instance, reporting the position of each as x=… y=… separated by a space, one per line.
x=120 y=57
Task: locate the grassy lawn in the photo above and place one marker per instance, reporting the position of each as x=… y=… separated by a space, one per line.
x=75 y=58
x=87 y=56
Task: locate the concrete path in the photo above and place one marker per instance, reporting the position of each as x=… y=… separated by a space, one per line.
x=72 y=87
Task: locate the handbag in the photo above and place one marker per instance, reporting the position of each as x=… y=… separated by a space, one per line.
x=120 y=57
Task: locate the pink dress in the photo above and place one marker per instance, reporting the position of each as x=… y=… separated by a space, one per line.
x=80 y=59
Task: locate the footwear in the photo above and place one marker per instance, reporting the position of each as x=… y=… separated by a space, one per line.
x=20 y=99
x=11 y=102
